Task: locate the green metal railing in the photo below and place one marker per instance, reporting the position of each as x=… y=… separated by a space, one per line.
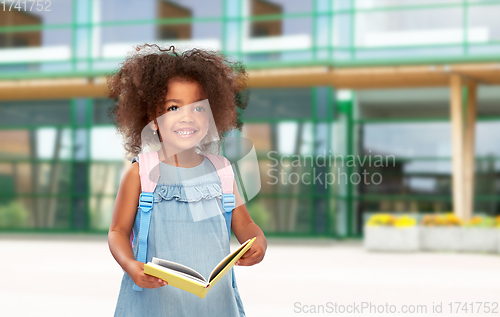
x=329 y=14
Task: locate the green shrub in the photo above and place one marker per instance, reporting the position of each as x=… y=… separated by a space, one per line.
x=13 y=215
x=259 y=214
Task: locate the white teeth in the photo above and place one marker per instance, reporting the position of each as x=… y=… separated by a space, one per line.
x=184 y=133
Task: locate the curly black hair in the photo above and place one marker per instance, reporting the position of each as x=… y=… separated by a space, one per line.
x=140 y=85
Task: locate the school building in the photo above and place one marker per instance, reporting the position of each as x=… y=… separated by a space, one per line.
x=355 y=106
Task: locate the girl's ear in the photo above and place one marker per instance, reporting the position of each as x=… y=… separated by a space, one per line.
x=153 y=125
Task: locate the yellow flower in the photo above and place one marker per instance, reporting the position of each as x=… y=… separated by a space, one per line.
x=391 y=220
x=405 y=221
x=381 y=220
x=479 y=221
x=447 y=219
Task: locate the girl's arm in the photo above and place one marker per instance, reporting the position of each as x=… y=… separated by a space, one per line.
x=124 y=212
x=244 y=228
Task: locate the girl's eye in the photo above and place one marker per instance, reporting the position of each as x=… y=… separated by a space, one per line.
x=199 y=108
x=172 y=108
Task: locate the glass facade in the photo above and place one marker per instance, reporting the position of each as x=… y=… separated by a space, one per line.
x=61 y=161
x=413 y=135
x=95 y=35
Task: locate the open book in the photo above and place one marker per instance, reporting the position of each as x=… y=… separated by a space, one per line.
x=186 y=278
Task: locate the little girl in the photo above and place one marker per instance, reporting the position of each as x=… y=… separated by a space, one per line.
x=172 y=97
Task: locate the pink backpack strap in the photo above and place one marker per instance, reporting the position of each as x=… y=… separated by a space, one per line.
x=224 y=170
x=149 y=170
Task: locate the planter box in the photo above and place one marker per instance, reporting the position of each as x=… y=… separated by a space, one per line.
x=479 y=240
x=498 y=240
x=440 y=238
x=391 y=239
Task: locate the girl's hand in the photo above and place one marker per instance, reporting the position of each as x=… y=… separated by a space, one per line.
x=255 y=254
x=143 y=280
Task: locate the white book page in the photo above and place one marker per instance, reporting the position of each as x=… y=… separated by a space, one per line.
x=180 y=274
x=176 y=267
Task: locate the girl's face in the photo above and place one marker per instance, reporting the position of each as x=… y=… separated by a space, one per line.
x=184 y=121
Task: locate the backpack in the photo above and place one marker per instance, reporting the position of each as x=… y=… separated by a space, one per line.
x=149 y=172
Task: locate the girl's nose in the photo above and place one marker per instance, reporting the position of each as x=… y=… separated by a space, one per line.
x=186 y=114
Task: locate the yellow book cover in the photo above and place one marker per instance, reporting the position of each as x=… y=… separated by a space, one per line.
x=183 y=277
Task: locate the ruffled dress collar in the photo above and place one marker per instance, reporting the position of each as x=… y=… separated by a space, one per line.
x=188 y=184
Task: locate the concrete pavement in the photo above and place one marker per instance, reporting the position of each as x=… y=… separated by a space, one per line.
x=296 y=278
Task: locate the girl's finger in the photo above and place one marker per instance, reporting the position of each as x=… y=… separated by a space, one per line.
x=154 y=281
x=250 y=260
x=243 y=260
x=248 y=254
x=160 y=282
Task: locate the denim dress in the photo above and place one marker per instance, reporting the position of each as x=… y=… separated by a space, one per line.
x=188 y=227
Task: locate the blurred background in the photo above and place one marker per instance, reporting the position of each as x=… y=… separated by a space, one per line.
x=334 y=78
x=414 y=81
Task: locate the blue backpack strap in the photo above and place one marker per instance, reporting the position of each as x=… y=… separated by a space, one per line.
x=226 y=175
x=149 y=173
x=228 y=203
x=145 y=205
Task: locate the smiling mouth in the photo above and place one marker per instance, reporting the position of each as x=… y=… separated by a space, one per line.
x=185 y=132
